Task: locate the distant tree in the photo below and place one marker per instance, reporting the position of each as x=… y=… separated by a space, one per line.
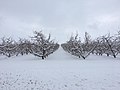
x=117 y=41
x=7 y=47
x=23 y=47
x=107 y=45
x=100 y=49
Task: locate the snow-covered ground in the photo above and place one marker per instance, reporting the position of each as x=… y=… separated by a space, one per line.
x=60 y=71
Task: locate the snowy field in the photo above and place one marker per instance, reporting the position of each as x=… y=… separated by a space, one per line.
x=60 y=71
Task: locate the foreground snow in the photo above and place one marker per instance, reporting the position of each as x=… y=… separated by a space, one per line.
x=59 y=71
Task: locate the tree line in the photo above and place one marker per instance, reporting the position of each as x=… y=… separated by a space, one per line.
x=38 y=45
x=106 y=44
x=42 y=46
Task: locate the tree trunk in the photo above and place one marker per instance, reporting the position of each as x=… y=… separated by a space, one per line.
x=43 y=54
x=114 y=56
x=42 y=57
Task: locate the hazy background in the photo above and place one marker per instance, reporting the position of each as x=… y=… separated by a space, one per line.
x=61 y=18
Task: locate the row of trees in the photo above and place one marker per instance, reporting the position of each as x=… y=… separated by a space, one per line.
x=107 y=44
x=39 y=46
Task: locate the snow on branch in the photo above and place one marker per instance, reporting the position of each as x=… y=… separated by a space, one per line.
x=42 y=46
x=75 y=47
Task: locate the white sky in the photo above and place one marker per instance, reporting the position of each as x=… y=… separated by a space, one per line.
x=61 y=18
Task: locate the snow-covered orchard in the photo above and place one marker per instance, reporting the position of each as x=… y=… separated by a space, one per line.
x=22 y=66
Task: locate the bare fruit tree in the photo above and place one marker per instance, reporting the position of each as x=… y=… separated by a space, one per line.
x=117 y=42
x=7 y=47
x=77 y=48
x=23 y=47
x=107 y=45
x=42 y=46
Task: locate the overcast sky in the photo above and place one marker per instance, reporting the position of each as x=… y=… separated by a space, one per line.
x=61 y=18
